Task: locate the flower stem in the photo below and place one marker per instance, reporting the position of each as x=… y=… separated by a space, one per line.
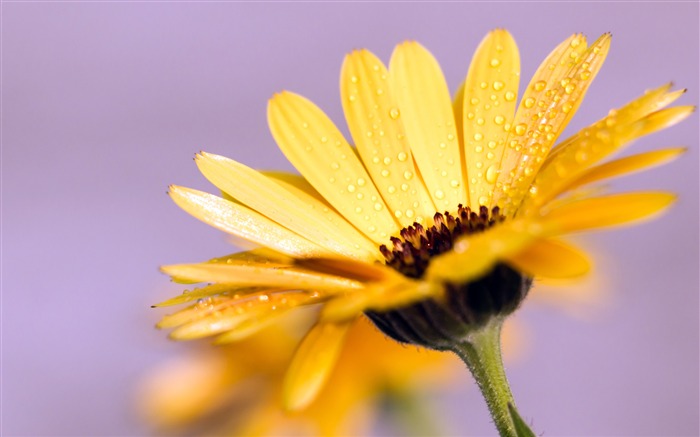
x=481 y=352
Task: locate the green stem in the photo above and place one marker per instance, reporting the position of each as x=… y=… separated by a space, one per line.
x=481 y=352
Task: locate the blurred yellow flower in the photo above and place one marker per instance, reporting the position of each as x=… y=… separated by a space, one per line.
x=236 y=389
x=439 y=217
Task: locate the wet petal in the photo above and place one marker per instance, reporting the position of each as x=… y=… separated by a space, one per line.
x=536 y=128
x=604 y=212
x=550 y=259
x=627 y=165
x=374 y=120
x=313 y=362
x=269 y=198
x=596 y=142
x=315 y=146
x=488 y=107
x=425 y=108
x=242 y=222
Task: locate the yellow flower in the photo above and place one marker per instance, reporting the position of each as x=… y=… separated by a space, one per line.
x=439 y=217
x=235 y=390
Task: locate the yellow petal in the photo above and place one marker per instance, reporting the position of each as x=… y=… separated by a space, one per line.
x=249 y=310
x=301 y=190
x=627 y=165
x=204 y=292
x=243 y=222
x=426 y=111
x=536 y=129
x=475 y=255
x=490 y=94
x=315 y=146
x=312 y=363
x=550 y=259
x=267 y=197
x=604 y=212
x=374 y=120
x=262 y=275
x=599 y=140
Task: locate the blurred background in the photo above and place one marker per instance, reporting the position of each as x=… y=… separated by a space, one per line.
x=105 y=104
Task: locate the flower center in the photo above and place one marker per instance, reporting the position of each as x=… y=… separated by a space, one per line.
x=411 y=253
x=466 y=307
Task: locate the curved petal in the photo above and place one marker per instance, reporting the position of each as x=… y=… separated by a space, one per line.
x=475 y=255
x=374 y=121
x=424 y=103
x=604 y=212
x=600 y=140
x=242 y=222
x=537 y=127
x=315 y=146
x=489 y=98
x=550 y=258
x=266 y=196
x=313 y=363
x=625 y=166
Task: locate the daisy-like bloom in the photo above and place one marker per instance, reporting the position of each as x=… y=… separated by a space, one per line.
x=435 y=223
x=236 y=389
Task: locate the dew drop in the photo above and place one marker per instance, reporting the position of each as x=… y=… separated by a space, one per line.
x=358 y=209
x=361 y=182
x=409 y=213
x=510 y=96
x=407 y=175
x=335 y=165
x=391 y=189
x=483 y=200
x=483 y=85
x=474 y=101
x=454 y=183
x=498 y=85
x=398 y=214
x=499 y=119
x=529 y=102
x=378 y=206
x=479 y=149
x=351 y=188
x=570 y=88
x=354 y=79
x=387 y=160
x=495 y=62
x=567 y=107
x=478 y=136
x=520 y=129
x=394 y=113
x=539 y=85
x=402 y=156
x=404 y=187
x=385 y=173
x=491 y=174
x=450 y=137
x=439 y=194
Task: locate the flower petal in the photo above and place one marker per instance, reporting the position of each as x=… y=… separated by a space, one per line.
x=424 y=103
x=315 y=146
x=490 y=94
x=475 y=255
x=261 y=275
x=374 y=121
x=540 y=121
x=550 y=259
x=312 y=363
x=627 y=165
x=303 y=191
x=604 y=212
x=242 y=222
x=596 y=142
x=266 y=196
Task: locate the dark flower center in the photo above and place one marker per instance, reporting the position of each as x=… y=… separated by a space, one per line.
x=467 y=307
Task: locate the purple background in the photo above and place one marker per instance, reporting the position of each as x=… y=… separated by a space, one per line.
x=104 y=105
